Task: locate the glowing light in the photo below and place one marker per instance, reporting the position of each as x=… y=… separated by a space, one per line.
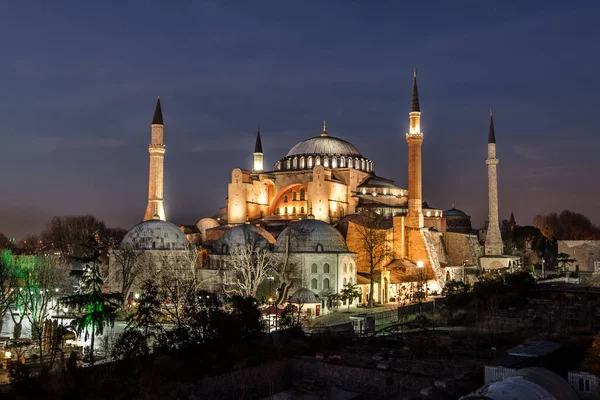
x=420 y=264
x=7 y=354
x=270 y=299
x=65 y=310
x=136 y=296
x=56 y=290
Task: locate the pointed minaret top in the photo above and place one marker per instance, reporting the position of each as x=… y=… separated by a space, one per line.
x=512 y=219
x=258 y=144
x=415 y=95
x=492 y=134
x=158 y=118
x=324 y=133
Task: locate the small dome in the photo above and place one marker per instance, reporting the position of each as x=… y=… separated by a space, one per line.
x=155 y=235
x=304 y=296
x=324 y=145
x=242 y=235
x=311 y=236
x=454 y=212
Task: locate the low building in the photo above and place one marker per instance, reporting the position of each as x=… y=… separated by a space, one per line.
x=586 y=254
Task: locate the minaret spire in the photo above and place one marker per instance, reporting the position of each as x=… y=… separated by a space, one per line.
x=258 y=154
x=414 y=138
x=493 y=239
x=491 y=134
x=415 y=94
x=156 y=207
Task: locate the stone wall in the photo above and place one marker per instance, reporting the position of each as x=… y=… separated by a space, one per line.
x=586 y=252
x=461 y=247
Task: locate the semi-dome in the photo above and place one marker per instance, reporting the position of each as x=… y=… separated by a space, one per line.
x=155 y=235
x=324 y=145
x=311 y=236
x=242 y=235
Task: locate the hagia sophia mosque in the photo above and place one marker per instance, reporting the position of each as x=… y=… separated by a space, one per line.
x=313 y=203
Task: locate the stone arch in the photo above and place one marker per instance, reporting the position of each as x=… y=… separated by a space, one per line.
x=278 y=197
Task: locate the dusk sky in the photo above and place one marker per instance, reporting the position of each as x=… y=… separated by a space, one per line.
x=79 y=82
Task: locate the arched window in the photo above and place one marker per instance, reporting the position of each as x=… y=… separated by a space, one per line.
x=342 y=162
x=224 y=249
x=341 y=213
x=301 y=210
x=313 y=269
x=285 y=198
x=326 y=162
x=288 y=163
x=295 y=162
x=293 y=196
x=285 y=210
x=333 y=162
x=293 y=210
x=345 y=281
x=313 y=283
x=319 y=248
x=350 y=163
x=356 y=163
x=318 y=160
x=326 y=283
x=302 y=193
x=345 y=268
x=350 y=281
x=302 y=163
x=351 y=267
x=310 y=162
x=277 y=210
x=447 y=276
x=325 y=268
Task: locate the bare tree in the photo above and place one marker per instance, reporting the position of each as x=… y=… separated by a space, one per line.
x=8 y=283
x=374 y=245
x=249 y=265
x=126 y=267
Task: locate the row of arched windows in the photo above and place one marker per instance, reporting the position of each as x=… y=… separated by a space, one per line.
x=333 y=162
x=289 y=210
x=295 y=196
x=314 y=283
x=347 y=267
x=314 y=268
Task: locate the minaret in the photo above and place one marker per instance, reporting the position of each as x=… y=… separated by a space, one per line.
x=414 y=138
x=493 y=240
x=258 y=154
x=324 y=133
x=156 y=207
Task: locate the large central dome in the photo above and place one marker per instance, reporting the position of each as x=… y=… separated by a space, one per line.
x=324 y=145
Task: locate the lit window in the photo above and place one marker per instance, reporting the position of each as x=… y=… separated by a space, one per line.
x=319 y=247
x=285 y=198
x=294 y=210
x=301 y=210
x=294 y=196
x=310 y=162
x=429 y=213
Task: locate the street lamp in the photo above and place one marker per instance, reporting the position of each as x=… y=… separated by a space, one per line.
x=420 y=292
x=270 y=302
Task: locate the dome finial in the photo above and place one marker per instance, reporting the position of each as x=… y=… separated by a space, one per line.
x=453 y=206
x=324 y=133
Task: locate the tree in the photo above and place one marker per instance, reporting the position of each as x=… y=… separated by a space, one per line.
x=568 y=225
x=374 y=245
x=96 y=308
x=349 y=292
x=592 y=360
x=5 y=242
x=8 y=282
x=564 y=260
x=128 y=264
x=143 y=325
x=287 y=318
x=40 y=277
x=249 y=265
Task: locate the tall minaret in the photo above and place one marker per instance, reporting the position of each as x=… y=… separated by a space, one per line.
x=414 y=138
x=258 y=154
x=493 y=240
x=156 y=207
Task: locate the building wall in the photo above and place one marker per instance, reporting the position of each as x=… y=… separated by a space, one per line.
x=586 y=252
x=462 y=247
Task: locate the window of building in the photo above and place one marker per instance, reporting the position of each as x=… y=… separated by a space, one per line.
x=277 y=210
x=345 y=267
x=302 y=163
x=285 y=210
x=293 y=210
x=350 y=281
x=313 y=269
x=341 y=213
x=584 y=385
x=326 y=283
x=301 y=210
x=325 y=268
x=319 y=248
x=326 y=162
x=293 y=196
x=302 y=194
x=333 y=162
x=349 y=163
x=342 y=162
x=288 y=163
x=285 y=198
x=345 y=281
x=313 y=283
x=351 y=267
x=318 y=161
x=295 y=163
x=310 y=162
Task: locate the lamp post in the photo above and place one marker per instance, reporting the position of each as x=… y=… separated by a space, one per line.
x=270 y=302
x=420 y=292
x=543 y=276
x=270 y=279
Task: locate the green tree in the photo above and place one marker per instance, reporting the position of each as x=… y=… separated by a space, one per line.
x=349 y=292
x=97 y=309
x=9 y=282
x=287 y=318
